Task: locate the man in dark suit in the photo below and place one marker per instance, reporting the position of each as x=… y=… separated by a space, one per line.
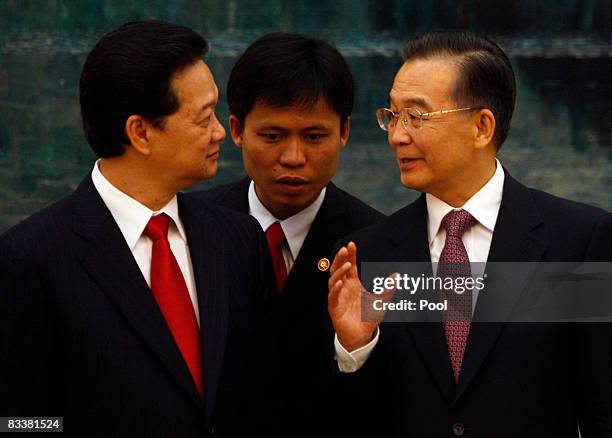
x=290 y=99
x=450 y=109
x=126 y=308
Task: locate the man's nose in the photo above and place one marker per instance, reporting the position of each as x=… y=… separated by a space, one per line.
x=218 y=131
x=293 y=153
x=398 y=135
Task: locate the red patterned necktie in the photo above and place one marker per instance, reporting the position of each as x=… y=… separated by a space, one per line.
x=454 y=263
x=276 y=238
x=172 y=296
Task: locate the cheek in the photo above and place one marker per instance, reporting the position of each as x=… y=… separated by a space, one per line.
x=206 y=137
x=257 y=162
x=322 y=165
x=259 y=157
x=445 y=159
x=257 y=153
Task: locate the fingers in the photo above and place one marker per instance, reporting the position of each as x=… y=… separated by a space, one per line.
x=334 y=292
x=345 y=254
x=352 y=252
x=340 y=258
x=376 y=314
x=339 y=274
x=350 y=255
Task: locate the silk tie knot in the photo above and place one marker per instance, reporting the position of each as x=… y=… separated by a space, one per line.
x=157 y=228
x=275 y=236
x=457 y=222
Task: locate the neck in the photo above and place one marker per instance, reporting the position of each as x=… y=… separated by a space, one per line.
x=137 y=181
x=467 y=184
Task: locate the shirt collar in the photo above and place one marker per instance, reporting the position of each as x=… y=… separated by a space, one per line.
x=130 y=215
x=295 y=227
x=483 y=205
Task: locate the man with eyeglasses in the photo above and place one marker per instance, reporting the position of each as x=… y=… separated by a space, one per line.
x=450 y=108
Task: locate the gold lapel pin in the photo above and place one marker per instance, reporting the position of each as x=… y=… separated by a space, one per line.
x=323 y=264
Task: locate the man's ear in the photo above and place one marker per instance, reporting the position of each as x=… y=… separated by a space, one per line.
x=236 y=130
x=345 y=130
x=484 y=124
x=138 y=131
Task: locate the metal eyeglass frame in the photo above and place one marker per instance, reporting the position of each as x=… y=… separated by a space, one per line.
x=416 y=117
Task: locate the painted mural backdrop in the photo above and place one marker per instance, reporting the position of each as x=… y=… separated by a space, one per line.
x=560 y=139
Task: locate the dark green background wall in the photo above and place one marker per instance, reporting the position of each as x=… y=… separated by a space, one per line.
x=562 y=52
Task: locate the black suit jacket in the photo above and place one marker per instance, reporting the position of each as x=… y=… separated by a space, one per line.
x=302 y=323
x=83 y=337
x=517 y=379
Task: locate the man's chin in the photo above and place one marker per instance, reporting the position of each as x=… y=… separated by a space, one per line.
x=297 y=202
x=209 y=172
x=410 y=182
x=198 y=177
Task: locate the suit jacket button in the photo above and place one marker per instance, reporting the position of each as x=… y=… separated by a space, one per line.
x=458 y=429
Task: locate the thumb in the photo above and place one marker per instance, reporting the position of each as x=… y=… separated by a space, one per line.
x=373 y=308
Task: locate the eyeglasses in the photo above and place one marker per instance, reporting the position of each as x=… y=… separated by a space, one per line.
x=411 y=118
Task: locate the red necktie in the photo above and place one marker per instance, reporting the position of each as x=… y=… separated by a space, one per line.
x=170 y=291
x=454 y=263
x=275 y=238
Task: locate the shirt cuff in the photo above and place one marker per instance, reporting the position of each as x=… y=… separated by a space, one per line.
x=351 y=362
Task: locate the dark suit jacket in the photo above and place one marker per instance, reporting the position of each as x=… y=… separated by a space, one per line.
x=517 y=379
x=306 y=336
x=82 y=336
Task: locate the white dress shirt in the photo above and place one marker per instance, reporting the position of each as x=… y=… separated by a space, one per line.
x=484 y=207
x=295 y=227
x=132 y=217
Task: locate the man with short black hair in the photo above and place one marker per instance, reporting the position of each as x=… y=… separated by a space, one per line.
x=450 y=108
x=290 y=98
x=126 y=308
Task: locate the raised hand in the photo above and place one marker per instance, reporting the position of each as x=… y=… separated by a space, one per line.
x=346 y=298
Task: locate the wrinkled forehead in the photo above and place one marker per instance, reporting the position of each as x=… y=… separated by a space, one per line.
x=425 y=82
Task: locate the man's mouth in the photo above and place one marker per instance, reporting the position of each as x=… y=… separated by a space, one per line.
x=292 y=184
x=409 y=163
x=293 y=180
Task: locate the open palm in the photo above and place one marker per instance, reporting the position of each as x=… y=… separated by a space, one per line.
x=346 y=298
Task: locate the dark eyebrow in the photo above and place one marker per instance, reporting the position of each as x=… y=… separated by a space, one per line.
x=320 y=127
x=270 y=126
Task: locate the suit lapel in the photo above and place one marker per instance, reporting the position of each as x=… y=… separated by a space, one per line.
x=512 y=241
x=237 y=196
x=409 y=242
x=209 y=257
x=109 y=261
x=327 y=227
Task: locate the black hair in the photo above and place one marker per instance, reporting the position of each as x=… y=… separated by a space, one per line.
x=129 y=71
x=284 y=69
x=486 y=78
